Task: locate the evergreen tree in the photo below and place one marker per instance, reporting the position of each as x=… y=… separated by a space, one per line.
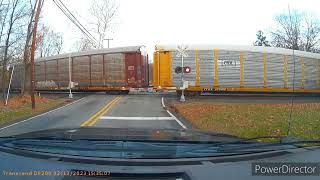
x=261 y=40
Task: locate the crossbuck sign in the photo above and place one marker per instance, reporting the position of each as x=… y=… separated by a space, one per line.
x=181 y=51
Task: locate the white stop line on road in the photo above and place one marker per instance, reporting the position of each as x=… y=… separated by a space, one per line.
x=138 y=118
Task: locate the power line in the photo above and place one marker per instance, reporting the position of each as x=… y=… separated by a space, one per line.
x=74 y=20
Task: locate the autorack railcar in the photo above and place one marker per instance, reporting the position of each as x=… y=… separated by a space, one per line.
x=225 y=68
x=112 y=69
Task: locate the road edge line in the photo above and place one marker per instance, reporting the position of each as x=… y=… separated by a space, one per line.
x=173 y=116
x=163 y=105
x=41 y=114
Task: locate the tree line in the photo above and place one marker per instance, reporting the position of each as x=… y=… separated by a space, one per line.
x=16 y=28
x=297 y=30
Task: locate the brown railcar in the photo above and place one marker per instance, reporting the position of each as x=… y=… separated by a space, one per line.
x=112 y=69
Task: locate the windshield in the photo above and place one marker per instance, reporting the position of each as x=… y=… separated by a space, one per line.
x=189 y=74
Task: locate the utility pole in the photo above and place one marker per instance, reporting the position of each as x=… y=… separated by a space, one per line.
x=33 y=49
x=108 y=39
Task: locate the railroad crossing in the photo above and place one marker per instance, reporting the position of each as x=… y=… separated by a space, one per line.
x=99 y=110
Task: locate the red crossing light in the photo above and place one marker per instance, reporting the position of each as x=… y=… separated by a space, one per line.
x=186 y=69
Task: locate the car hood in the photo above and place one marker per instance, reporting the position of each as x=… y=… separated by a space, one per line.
x=129 y=134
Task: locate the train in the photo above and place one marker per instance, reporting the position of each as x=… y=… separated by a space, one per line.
x=213 y=68
x=110 y=70
x=230 y=68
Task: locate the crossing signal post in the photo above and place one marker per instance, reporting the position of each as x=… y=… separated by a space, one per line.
x=181 y=52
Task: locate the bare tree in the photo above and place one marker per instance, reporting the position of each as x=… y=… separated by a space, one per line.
x=4 y=8
x=26 y=51
x=299 y=31
x=82 y=45
x=58 y=44
x=104 y=13
x=310 y=34
x=13 y=35
x=49 y=42
x=3 y=16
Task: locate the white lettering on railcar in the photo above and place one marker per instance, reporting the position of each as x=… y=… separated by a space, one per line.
x=228 y=63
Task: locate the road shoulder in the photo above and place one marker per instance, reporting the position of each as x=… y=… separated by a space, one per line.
x=166 y=104
x=30 y=114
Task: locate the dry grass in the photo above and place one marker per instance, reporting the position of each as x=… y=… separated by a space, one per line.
x=252 y=120
x=18 y=101
x=20 y=107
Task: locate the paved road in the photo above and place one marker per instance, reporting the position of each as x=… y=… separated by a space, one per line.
x=137 y=112
x=129 y=111
x=101 y=111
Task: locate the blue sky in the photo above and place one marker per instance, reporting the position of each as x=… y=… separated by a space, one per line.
x=150 y=22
